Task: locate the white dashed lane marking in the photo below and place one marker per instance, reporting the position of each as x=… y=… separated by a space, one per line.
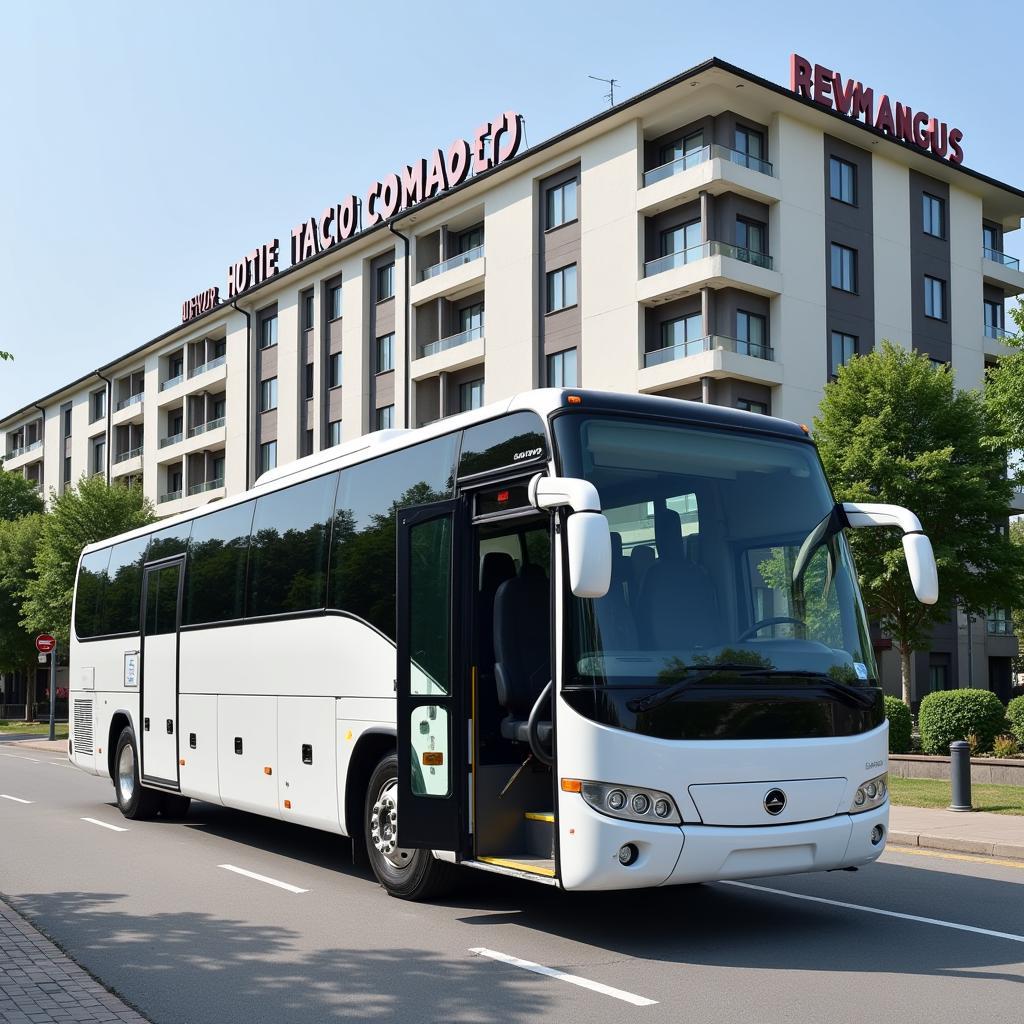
x=16 y=799
x=103 y=824
x=262 y=878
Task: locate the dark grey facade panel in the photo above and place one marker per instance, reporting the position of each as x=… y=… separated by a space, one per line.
x=558 y=247
x=929 y=257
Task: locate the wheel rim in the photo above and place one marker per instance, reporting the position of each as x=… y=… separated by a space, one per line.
x=384 y=826
x=126 y=772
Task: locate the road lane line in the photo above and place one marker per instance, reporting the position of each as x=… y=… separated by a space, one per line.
x=16 y=799
x=103 y=824
x=572 y=979
x=262 y=878
x=884 y=913
x=913 y=851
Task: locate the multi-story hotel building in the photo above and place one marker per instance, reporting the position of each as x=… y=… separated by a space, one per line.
x=718 y=238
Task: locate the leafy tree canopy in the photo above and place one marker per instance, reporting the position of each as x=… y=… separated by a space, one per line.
x=19 y=539
x=1004 y=392
x=18 y=496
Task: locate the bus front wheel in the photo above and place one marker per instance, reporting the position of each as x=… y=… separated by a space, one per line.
x=406 y=873
x=133 y=800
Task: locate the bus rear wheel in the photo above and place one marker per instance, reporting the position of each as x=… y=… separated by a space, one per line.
x=405 y=873
x=133 y=800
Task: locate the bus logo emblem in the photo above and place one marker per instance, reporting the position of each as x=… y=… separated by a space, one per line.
x=775 y=801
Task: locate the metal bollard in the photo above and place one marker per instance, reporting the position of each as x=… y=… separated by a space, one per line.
x=960 y=775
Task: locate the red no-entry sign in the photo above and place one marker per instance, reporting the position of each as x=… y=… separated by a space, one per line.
x=45 y=643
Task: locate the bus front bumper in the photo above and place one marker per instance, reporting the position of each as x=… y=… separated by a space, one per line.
x=702 y=853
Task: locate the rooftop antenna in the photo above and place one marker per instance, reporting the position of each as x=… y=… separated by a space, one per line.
x=611 y=83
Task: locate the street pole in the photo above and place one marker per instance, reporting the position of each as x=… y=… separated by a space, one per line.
x=53 y=691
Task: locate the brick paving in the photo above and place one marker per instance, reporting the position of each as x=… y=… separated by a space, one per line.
x=39 y=983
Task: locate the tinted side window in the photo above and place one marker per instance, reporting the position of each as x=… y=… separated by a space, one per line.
x=288 y=551
x=171 y=540
x=92 y=580
x=363 y=549
x=508 y=441
x=124 y=586
x=162 y=600
x=215 y=589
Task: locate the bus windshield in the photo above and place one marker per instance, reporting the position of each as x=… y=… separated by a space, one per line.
x=727 y=557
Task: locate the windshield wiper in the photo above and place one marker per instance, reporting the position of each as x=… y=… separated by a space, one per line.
x=860 y=698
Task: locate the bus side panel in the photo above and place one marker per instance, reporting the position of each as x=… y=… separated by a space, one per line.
x=358 y=717
x=307 y=759
x=247 y=753
x=197 y=746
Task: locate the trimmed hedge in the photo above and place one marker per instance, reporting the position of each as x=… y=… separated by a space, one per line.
x=900 y=725
x=1015 y=716
x=949 y=715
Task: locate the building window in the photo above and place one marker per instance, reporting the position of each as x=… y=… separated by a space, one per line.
x=934 y=298
x=309 y=381
x=938 y=677
x=561 y=204
x=751 y=235
x=751 y=334
x=748 y=405
x=268 y=332
x=471 y=395
x=561 y=288
x=681 y=239
x=471 y=320
x=469 y=240
x=990 y=241
x=334 y=433
x=218 y=469
x=750 y=144
x=307 y=441
x=268 y=456
x=993 y=319
x=562 y=369
x=683 y=147
x=386 y=417
x=844 y=268
x=385 y=282
x=686 y=332
x=334 y=301
x=219 y=407
x=65 y=416
x=97 y=405
x=268 y=394
x=933 y=215
x=308 y=311
x=938 y=364
x=66 y=478
x=98 y=462
x=386 y=352
x=334 y=369
x=842 y=180
x=174 y=480
x=844 y=348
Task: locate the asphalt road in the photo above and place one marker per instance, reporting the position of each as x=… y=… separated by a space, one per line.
x=153 y=912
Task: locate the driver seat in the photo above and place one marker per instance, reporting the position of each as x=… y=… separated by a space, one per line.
x=522 y=649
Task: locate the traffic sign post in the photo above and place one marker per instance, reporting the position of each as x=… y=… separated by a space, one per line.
x=47 y=644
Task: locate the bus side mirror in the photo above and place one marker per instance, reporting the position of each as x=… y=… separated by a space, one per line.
x=588 y=538
x=917 y=548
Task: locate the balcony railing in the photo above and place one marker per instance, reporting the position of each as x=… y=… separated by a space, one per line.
x=209 y=485
x=15 y=452
x=997 y=332
x=171 y=382
x=454 y=261
x=704 y=250
x=202 y=428
x=169 y=496
x=166 y=442
x=694 y=346
x=443 y=344
x=702 y=155
x=999 y=626
x=132 y=453
x=210 y=364
x=130 y=400
x=1000 y=257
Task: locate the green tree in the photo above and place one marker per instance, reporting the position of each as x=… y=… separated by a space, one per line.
x=19 y=539
x=892 y=428
x=91 y=511
x=1004 y=392
x=18 y=496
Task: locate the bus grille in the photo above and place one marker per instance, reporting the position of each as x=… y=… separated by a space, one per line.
x=83 y=726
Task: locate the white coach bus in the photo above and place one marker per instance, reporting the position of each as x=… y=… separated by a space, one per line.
x=599 y=641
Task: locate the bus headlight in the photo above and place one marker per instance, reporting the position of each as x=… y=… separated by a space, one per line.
x=870 y=795
x=631 y=803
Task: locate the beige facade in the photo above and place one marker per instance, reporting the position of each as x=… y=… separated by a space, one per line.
x=698 y=228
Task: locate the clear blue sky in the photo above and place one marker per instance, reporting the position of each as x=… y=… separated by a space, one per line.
x=146 y=145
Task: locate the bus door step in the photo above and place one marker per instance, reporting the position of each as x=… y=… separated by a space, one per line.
x=540 y=833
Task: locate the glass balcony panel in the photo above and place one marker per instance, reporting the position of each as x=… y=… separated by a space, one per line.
x=209 y=485
x=443 y=344
x=694 y=346
x=212 y=364
x=454 y=261
x=1000 y=257
x=130 y=400
x=169 y=496
x=995 y=331
x=171 y=382
x=166 y=442
x=702 y=155
x=132 y=453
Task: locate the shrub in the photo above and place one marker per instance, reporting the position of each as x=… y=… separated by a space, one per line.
x=1005 y=746
x=900 y=725
x=949 y=715
x=1015 y=716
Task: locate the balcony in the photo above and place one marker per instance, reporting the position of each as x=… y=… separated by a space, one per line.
x=169 y=496
x=25 y=449
x=998 y=625
x=128 y=410
x=209 y=485
x=132 y=453
x=712 y=265
x=171 y=382
x=202 y=428
x=1002 y=270
x=210 y=364
x=453 y=278
x=702 y=156
x=1000 y=257
x=697 y=345
x=166 y=442
x=468 y=256
x=453 y=341
x=130 y=401
x=449 y=354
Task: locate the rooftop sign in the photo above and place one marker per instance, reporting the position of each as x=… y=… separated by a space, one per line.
x=492 y=143
x=828 y=88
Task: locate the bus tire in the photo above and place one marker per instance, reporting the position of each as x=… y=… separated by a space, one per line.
x=133 y=800
x=405 y=873
x=174 y=805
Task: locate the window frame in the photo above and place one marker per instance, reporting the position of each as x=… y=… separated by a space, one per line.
x=335 y=309
x=268 y=326
x=559 y=190
x=268 y=389
x=471 y=385
x=929 y=204
x=268 y=447
x=334 y=361
x=388 y=270
x=843 y=337
x=928 y=294
x=558 y=359
x=842 y=165
x=559 y=274
x=389 y=338
x=854 y=274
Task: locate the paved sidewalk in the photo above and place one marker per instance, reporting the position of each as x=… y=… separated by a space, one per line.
x=998 y=835
x=51 y=746
x=39 y=984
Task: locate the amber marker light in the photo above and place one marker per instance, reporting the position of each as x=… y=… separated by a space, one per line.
x=574 y=400
x=572 y=786
x=287 y=805
x=267 y=770
x=433 y=757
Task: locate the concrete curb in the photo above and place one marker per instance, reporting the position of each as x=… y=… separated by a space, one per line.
x=54 y=747
x=953 y=844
